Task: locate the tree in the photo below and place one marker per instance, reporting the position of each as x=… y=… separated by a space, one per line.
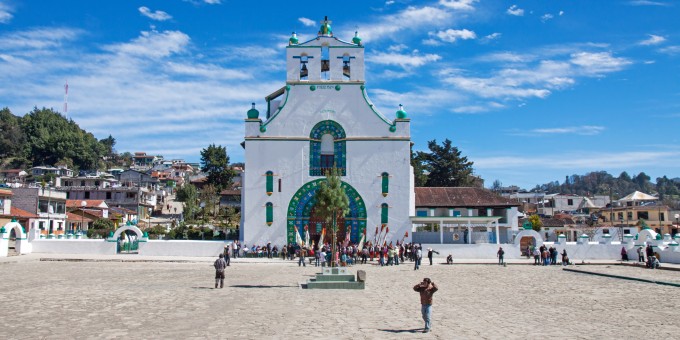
x=108 y=144
x=497 y=186
x=419 y=174
x=445 y=165
x=536 y=223
x=103 y=223
x=215 y=162
x=331 y=202
x=11 y=137
x=188 y=195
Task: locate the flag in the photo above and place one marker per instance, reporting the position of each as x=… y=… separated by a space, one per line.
x=298 y=239
x=323 y=236
x=306 y=235
x=361 y=242
x=375 y=236
x=347 y=238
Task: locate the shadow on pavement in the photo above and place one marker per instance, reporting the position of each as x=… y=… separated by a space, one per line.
x=415 y=330
x=262 y=286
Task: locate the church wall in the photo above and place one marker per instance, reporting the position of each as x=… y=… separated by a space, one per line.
x=367 y=160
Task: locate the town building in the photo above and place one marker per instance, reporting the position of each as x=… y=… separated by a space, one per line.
x=47 y=203
x=463 y=216
x=320 y=119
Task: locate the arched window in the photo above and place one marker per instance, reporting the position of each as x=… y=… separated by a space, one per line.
x=269 y=183
x=269 y=212
x=327 y=148
x=385 y=183
x=383 y=213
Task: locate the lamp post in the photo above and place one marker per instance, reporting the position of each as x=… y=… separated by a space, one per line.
x=83 y=204
x=149 y=210
x=621 y=229
x=677 y=217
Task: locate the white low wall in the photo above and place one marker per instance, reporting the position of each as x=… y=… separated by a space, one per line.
x=87 y=246
x=593 y=251
x=181 y=248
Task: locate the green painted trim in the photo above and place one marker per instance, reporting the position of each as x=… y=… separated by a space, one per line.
x=368 y=102
x=300 y=45
x=325 y=82
x=349 y=139
x=111 y=240
x=277 y=111
x=312 y=87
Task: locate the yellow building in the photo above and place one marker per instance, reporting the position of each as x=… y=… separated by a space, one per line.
x=657 y=217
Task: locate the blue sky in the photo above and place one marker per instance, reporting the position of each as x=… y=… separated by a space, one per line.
x=531 y=91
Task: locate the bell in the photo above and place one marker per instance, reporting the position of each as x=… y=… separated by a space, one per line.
x=304 y=72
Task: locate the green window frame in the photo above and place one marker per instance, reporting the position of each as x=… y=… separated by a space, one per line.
x=269 y=212
x=269 y=183
x=385 y=183
x=383 y=213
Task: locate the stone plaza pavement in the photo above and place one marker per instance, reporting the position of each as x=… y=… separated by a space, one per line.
x=174 y=298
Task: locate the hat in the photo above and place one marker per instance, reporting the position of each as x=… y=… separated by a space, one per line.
x=221 y=255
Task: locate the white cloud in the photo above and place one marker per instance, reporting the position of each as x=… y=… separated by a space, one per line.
x=585 y=130
x=514 y=10
x=465 y=5
x=153 y=44
x=546 y=17
x=403 y=60
x=389 y=2
x=581 y=160
x=307 y=22
x=473 y=109
x=157 y=15
x=652 y=40
x=648 y=3
x=451 y=35
x=507 y=57
x=490 y=37
x=598 y=63
x=397 y=48
x=39 y=38
x=416 y=17
x=5 y=15
x=672 y=50
x=212 y=2
x=561 y=13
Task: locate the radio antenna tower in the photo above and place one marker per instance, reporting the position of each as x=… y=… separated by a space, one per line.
x=66 y=99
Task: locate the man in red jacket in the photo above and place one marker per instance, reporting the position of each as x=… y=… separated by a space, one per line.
x=427 y=288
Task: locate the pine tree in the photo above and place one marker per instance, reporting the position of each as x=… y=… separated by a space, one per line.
x=332 y=202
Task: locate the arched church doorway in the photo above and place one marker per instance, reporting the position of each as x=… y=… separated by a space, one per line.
x=316 y=225
x=301 y=212
x=127 y=238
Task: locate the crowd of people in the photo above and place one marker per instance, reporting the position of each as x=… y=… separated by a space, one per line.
x=346 y=254
x=544 y=256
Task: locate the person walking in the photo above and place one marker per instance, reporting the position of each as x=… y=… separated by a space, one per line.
x=418 y=256
x=624 y=254
x=641 y=255
x=426 y=288
x=303 y=253
x=430 y=253
x=227 y=256
x=565 y=258
x=500 y=254
x=220 y=265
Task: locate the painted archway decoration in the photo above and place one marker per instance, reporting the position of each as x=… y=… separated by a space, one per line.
x=339 y=148
x=22 y=245
x=302 y=203
x=140 y=236
x=530 y=233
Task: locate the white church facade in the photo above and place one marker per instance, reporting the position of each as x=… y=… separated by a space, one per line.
x=322 y=118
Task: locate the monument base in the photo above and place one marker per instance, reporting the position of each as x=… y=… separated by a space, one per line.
x=335 y=278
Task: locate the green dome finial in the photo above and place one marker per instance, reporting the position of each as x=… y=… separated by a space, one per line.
x=253 y=113
x=293 y=39
x=356 y=38
x=401 y=114
x=326 y=29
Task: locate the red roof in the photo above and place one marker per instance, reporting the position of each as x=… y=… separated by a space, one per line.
x=460 y=197
x=16 y=212
x=6 y=192
x=78 y=203
x=77 y=218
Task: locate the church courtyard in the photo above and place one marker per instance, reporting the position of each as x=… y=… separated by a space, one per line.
x=58 y=300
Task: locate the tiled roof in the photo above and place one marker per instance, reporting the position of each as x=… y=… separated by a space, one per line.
x=77 y=218
x=123 y=210
x=16 y=212
x=78 y=203
x=460 y=197
x=6 y=192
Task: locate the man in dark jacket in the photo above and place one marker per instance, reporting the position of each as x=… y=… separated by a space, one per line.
x=220 y=265
x=427 y=288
